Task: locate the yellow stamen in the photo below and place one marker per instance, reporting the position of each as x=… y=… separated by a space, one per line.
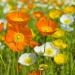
x=17 y=19
x=28 y=60
x=19 y=37
x=67 y=21
x=48 y=51
x=47 y=29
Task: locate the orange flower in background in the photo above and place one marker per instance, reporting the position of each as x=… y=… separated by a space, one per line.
x=37 y=14
x=44 y=1
x=34 y=43
x=17 y=18
x=1 y=27
x=25 y=1
x=18 y=37
x=31 y=5
x=46 y=27
x=35 y=73
x=24 y=10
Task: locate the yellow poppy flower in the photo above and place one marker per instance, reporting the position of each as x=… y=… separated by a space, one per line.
x=60 y=44
x=69 y=9
x=60 y=59
x=59 y=33
x=55 y=13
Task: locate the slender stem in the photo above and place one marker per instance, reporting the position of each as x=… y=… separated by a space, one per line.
x=45 y=38
x=3 y=61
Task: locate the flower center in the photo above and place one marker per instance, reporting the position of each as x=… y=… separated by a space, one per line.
x=28 y=60
x=19 y=37
x=17 y=19
x=47 y=29
x=67 y=21
x=48 y=51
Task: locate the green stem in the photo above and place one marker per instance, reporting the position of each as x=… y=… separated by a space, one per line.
x=3 y=61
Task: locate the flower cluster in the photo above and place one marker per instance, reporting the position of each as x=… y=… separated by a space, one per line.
x=38 y=30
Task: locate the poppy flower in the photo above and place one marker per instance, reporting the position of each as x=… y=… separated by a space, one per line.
x=55 y=13
x=37 y=14
x=67 y=19
x=33 y=44
x=46 y=27
x=27 y=59
x=1 y=27
x=18 y=37
x=35 y=73
x=60 y=44
x=25 y=1
x=69 y=9
x=19 y=18
x=59 y=33
x=44 y=1
x=47 y=49
x=60 y=59
x=31 y=5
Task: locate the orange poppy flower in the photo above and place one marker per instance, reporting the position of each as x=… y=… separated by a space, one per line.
x=25 y=1
x=37 y=14
x=35 y=73
x=1 y=27
x=44 y=1
x=18 y=37
x=31 y=5
x=17 y=18
x=46 y=27
x=33 y=44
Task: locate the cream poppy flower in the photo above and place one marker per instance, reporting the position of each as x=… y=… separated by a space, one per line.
x=66 y=19
x=6 y=9
x=50 y=50
x=38 y=49
x=27 y=59
x=47 y=49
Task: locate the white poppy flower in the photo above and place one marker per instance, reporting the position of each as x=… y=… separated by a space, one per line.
x=41 y=5
x=20 y=4
x=38 y=49
x=46 y=49
x=2 y=46
x=66 y=19
x=27 y=59
x=6 y=9
x=50 y=50
x=69 y=2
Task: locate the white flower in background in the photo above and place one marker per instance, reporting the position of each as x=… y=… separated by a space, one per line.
x=42 y=5
x=69 y=2
x=38 y=49
x=20 y=4
x=2 y=46
x=66 y=27
x=4 y=23
x=50 y=7
x=3 y=2
x=6 y=9
x=27 y=59
x=66 y=19
x=47 y=49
